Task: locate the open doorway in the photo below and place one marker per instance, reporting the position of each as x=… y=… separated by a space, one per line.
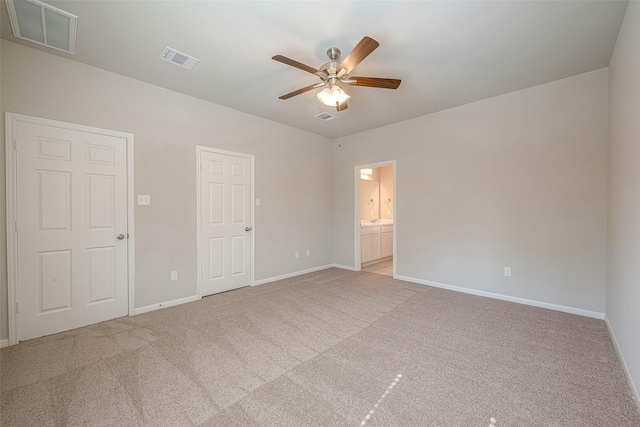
x=375 y=218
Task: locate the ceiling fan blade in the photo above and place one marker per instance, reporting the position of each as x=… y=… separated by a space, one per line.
x=296 y=64
x=361 y=51
x=375 y=82
x=298 y=92
x=342 y=107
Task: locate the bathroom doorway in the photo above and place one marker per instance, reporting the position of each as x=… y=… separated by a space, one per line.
x=375 y=218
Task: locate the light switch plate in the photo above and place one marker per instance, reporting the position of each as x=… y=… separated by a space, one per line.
x=258 y=202
x=144 y=199
x=507 y=271
x=174 y=275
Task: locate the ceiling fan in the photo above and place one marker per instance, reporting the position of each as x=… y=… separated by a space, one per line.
x=334 y=73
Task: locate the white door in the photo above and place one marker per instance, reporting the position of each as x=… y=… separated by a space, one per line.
x=72 y=229
x=225 y=222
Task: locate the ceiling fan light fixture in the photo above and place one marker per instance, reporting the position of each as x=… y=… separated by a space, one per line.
x=332 y=95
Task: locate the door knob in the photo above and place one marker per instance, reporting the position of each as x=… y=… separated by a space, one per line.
x=247 y=229
x=120 y=236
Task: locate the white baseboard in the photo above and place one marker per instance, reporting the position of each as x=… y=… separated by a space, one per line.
x=632 y=386
x=344 y=267
x=533 y=303
x=158 y=306
x=4 y=343
x=288 y=275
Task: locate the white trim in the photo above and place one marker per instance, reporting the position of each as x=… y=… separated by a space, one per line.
x=166 y=304
x=4 y=343
x=199 y=150
x=12 y=242
x=345 y=267
x=357 y=237
x=556 y=307
x=11 y=121
x=131 y=245
x=294 y=274
x=632 y=386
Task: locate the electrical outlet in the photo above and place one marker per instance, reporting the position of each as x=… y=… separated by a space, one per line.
x=308 y=252
x=507 y=271
x=297 y=254
x=389 y=212
x=174 y=275
x=144 y=199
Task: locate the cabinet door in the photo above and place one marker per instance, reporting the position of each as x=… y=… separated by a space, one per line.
x=365 y=248
x=375 y=246
x=386 y=245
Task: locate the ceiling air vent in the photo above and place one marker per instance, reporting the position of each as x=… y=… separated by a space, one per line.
x=45 y=25
x=178 y=58
x=325 y=116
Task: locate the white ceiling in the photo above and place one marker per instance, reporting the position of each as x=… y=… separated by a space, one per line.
x=447 y=53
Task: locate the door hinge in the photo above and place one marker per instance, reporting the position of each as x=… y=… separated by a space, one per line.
x=17 y=308
x=16 y=226
x=200 y=167
x=15 y=145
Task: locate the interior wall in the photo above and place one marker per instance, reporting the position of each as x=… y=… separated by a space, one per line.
x=623 y=266
x=386 y=192
x=4 y=327
x=292 y=168
x=369 y=199
x=518 y=181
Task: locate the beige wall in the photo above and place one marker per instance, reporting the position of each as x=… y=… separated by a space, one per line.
x=369 y=199
x=4 y=329
x=623 y=272
x=519 y=180
x=386 y=192
x=292 y=167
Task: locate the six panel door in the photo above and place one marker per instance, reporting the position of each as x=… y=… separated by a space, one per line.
x=71 y=208
x=225 y=219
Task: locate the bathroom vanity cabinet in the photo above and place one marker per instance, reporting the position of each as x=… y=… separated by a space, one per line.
x=376 y=242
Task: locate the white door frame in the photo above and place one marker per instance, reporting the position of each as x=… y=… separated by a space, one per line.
x=357 y=237
x=11 y=122
x=199 y=150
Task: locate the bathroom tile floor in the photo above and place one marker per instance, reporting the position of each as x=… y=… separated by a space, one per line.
x=383 y=267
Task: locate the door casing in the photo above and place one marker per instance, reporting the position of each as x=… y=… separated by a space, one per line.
x=11 y=121
x=199 y=150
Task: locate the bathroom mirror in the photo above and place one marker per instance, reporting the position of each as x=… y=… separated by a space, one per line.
x=369 y=199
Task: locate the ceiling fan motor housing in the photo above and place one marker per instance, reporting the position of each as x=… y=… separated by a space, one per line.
x=331 y=67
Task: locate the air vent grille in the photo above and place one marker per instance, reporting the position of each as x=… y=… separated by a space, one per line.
x=178 y=58
x=45 y=25
x=325 y=116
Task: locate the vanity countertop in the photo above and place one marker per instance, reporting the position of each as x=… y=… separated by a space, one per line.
x=378 y=223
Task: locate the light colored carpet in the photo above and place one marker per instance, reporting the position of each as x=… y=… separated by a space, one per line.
x=325 y=349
